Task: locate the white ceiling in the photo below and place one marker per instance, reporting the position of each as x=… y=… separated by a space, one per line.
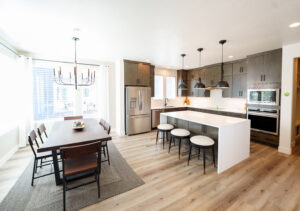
x=157 y=31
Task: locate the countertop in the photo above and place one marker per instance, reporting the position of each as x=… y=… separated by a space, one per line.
x=239 y=111
x=212 y=120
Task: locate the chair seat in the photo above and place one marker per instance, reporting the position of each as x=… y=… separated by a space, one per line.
x=44 y=154
x=180 y=132
x=165 y=127
x=79 y=165
x=202 y=141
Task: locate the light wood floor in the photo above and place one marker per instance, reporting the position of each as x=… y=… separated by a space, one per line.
x=267 y=180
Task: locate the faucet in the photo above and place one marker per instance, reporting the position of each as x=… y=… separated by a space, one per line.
x=166 y=100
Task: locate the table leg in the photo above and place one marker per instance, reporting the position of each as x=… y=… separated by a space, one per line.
x=58 y=180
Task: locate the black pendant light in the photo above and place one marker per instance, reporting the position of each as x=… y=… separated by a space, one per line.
x=199 y=84
x=222 y=84
x=182 y=85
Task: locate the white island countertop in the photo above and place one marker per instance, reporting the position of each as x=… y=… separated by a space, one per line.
x=212 y=120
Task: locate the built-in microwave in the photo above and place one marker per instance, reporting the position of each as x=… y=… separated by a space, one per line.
x=263 y=96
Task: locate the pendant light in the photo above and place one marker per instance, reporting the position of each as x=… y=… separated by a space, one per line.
x=199 y=84
x=222 y=84
x=182 y=85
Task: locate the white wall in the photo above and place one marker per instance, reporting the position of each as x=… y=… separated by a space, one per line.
x=119 y=97
x=9 y=136
x=288 y=103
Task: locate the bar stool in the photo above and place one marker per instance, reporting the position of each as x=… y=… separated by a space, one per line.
x=203 y=142
x=179 y=134
x=165 y=129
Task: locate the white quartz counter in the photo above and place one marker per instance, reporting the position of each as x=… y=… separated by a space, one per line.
x=212 y=120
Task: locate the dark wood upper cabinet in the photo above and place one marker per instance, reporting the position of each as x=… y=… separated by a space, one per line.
x=152 y=84
x=182 y=75
x=130 y=73
x=239 y=79
x=137 y=73
x=264 y=70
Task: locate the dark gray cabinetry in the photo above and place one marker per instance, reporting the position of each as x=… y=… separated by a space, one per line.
x=156 y=114
x=152 y=79
x=213 y=75
x=228 y=77
x=136 y=73
x=264 y=70
x=239 y=85
x=182 y=76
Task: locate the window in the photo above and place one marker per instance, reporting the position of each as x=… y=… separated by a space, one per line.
x=49 y=99
x=159 y=87
x=170 y=87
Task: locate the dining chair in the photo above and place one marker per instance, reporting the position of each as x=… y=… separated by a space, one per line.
x=104 y=145
x=42 y=130
x=32 y=137
x=72 y=117
x=79 y=159
x=102 y=122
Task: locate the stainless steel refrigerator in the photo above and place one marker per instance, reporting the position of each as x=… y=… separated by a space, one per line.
x=138 y=109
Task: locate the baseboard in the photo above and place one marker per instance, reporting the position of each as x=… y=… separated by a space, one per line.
x=8 y=155
x=285 y=150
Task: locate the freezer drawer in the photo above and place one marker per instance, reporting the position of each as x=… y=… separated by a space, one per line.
x=138 y=124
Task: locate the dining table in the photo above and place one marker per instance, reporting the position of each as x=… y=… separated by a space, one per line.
x=64 y=135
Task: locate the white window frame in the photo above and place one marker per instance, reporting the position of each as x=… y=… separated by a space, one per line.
x=165 y=74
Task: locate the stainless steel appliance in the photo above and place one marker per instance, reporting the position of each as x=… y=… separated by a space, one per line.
x=264 y=120
x=263 y=96
x=138 y=109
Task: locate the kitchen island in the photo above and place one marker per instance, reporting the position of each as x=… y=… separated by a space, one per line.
x=231 y=134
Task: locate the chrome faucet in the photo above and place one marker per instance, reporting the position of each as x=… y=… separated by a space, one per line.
x=166 y=100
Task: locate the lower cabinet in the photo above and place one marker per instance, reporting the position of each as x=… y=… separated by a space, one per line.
x=265 y=138
x=155 y=114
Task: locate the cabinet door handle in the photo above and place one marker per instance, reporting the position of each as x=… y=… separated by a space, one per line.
x=261 y=77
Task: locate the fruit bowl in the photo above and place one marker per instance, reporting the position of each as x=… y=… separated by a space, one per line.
x=78 y=125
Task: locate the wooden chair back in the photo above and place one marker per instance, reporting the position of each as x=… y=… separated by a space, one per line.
x=42 y=129
x=80 y=151
x=72 y=117
x=32 y=138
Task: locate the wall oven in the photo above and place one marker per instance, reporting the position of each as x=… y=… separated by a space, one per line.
x=264 y=120
x=263 y=96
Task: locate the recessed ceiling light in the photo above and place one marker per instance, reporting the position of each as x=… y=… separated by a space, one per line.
x=293 y=25
x=230 y=57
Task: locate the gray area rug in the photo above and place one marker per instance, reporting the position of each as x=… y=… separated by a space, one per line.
x=116 y=178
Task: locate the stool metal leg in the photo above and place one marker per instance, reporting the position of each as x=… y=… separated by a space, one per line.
x=170 y=143
x=164 y=134
x=204 y=160
x=157 y=136
x=198 y=153
x=179 y=148
x=213 y=152
x=190 y=152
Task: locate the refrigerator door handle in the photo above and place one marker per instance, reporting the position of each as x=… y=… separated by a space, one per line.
x=140 y=100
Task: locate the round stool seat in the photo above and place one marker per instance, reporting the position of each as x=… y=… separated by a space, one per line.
x=180 y=132
x=165 y=127
x=202 y=141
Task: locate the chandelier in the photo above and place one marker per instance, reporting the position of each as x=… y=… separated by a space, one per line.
x=88 y=80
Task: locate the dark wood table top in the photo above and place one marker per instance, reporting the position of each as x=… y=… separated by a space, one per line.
x=63 y=134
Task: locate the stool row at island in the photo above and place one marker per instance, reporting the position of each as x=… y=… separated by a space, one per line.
x=198 y=141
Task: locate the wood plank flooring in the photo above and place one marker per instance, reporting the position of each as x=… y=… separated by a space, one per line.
x=268 y=180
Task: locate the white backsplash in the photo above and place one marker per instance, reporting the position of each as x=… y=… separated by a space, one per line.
x=215 y=100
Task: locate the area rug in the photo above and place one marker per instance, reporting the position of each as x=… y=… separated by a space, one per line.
x=116 y=178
